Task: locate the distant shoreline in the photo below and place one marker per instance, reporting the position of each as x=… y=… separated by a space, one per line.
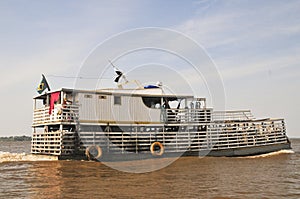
x=16 y=138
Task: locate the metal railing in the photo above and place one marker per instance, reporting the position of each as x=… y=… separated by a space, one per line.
x=232 y=115
x=221 y=135
x=237 y=134
x=203 y=115
x=60 y=113
x=186 y=115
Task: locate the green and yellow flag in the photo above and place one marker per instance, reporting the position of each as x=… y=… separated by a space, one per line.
x=43 y=85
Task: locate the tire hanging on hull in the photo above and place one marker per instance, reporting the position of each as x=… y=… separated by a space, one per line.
x=157 y=149
x=93 y=152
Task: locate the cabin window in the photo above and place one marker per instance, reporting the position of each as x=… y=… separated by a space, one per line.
x=102 y=96
x=117 y=100
x=88 y=96
x=152 y=102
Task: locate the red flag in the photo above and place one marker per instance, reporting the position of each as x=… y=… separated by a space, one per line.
x=53 y=98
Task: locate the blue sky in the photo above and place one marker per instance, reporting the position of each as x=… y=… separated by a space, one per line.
x=254 y=44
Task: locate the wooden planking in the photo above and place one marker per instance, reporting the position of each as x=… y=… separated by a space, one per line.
x=53 y=143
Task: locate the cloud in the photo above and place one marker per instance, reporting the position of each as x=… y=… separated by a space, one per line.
x=230 y=72
x=243 y=37
x=240 y=22
x=255 y=45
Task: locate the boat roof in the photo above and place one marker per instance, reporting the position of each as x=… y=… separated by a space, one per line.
x=143 y=92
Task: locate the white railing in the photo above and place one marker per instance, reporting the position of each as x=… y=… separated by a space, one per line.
x=219 y=135
x=232 y=115
x=256 y=132
x=203 y=115
x=60 y=113
x=186 y=115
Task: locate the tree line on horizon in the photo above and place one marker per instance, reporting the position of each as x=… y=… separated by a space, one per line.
x=16 y=138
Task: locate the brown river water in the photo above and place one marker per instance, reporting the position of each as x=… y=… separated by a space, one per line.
x=275 y=175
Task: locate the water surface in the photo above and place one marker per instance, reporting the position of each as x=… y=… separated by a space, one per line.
x=267 y=176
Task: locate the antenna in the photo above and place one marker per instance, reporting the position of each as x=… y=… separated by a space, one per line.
x=121 y=75
x=112 y=64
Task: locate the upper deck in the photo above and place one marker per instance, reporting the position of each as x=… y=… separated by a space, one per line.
x=126 y=106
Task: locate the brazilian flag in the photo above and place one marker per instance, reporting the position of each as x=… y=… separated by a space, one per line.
x=43 y=85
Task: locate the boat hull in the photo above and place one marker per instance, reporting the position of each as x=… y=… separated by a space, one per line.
x=233 y=152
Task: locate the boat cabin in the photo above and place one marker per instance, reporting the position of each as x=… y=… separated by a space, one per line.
x=130 y=106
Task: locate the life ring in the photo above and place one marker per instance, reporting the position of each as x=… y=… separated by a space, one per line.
x=93 y=152
x=157 y=149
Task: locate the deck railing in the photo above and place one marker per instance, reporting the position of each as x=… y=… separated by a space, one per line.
x=60 y=113
x=232 y=115
x=203 y=115
x=236 y=134
x=186 y=115
x=222 y=135
x=53 y=142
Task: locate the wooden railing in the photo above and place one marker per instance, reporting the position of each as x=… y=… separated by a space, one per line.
x=53 y=142
x=60 y=113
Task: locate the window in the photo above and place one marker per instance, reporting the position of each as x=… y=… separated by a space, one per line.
x=152 y=102
x=102 y=97
x=117 y=100
x=88 y=96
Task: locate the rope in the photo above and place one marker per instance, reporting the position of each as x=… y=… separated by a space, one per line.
x=74 y=77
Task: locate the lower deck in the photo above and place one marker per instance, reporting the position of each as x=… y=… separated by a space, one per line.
x=227 y=138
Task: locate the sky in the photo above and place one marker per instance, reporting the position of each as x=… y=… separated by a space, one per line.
x=255 y=46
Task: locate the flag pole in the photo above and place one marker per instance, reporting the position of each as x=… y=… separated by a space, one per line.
x=47 y=85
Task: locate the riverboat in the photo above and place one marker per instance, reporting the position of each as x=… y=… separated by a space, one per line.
x=145 y=122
